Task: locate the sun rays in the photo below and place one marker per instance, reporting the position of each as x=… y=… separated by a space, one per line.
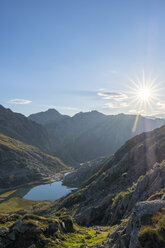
x=144 y=94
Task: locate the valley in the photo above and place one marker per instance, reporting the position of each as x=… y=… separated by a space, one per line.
x=84 y=135
x=116 y=200
x=82 y=124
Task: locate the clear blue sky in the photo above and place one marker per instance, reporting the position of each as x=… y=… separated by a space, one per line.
x=79 y=54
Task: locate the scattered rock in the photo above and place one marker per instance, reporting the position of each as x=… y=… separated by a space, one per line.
x=3 y=230
x=126 y=235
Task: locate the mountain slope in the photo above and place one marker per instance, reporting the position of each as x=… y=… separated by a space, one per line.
x=133 y=174
x=20 y=127
x=21 y=163
x=90 y=135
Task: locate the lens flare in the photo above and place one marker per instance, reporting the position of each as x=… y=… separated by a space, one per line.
x=144 y=94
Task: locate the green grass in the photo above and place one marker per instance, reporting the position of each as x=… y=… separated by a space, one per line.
x=19 y=204
x=81 y=236
x=5 y=195
x=7 y=220
x=15 y=144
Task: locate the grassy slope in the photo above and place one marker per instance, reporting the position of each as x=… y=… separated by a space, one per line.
x=19 y=146
x=13 y=209
x=21 y=163
x=82 y=236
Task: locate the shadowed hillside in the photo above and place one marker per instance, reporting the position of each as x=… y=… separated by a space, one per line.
x=21 y=128
x=87 y=136
x=21 y=163
x=122 y=181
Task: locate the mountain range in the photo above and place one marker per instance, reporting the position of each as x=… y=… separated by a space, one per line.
x=87 y=136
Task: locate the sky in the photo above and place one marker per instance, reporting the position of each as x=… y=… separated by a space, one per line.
x=83 y=55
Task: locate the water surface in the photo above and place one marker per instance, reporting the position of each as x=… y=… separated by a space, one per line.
x=51 y=192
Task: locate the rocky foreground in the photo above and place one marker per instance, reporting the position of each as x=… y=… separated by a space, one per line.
x=32 y=231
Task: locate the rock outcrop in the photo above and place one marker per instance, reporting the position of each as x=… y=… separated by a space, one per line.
x=33 y=231
x=82 y=174
x=126 y=235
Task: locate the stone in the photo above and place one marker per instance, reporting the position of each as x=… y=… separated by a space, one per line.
x=3 y=230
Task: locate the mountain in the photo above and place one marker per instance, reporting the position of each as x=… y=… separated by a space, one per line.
x=49 y=116
x=18 y=126
x=125 y=192
x=21 y=163
x=134 y=174
x=90 y=135
x=83 y=173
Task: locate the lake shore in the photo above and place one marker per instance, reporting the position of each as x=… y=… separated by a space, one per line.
x=56 y=177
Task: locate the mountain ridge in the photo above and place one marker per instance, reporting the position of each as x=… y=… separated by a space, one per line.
x=45 y=117
x=91 y=135
x=119 y=181
x=18 y=126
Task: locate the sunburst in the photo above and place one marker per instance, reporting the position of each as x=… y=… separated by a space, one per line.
x=144 y=93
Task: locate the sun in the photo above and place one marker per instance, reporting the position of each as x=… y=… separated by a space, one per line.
x=145 y=94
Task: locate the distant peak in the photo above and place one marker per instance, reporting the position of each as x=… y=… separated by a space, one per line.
x=95 y=111
x=51 y=110
x=89 y=113
x=5 y=109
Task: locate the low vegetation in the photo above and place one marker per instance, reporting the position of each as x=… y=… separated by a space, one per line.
x=82 y=236
x=118 y=197
x=153 y=235
x=51 y=231
x=16 y=204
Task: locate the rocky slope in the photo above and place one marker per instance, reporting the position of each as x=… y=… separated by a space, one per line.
x=90 y=135
x=21 y=163
x=133 y=174
x=83 y=173
x=31 y=231
x=143 y=229
x=51 y=231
